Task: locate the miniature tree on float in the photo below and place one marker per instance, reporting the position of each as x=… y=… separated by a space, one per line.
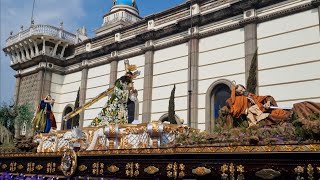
x=171 y=108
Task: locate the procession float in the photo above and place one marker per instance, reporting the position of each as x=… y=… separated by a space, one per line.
x=263 y=142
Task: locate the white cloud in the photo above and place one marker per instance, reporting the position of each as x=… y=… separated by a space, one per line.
x=15 y=13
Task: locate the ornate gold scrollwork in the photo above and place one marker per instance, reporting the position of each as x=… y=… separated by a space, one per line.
x=69 y=162
x=82 y=168
x=97 y=168
x=231 y=170
x=173 y=170
x=225 y=169
x=39 y=167
x=151 y=170
x=299 y=170
x=51 y=167
x=20 y=167
x=113 y=169
x=201 y=171
x=240 y=169
x=59 y=168
x=318 y=169
x=4 y=166
x=132 y=169
x=30 y=167
x=13 y=166
x=310 y=171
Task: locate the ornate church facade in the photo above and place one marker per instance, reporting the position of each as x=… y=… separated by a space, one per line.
x=200 y=46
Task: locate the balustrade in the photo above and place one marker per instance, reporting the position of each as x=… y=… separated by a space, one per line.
x=42 y=30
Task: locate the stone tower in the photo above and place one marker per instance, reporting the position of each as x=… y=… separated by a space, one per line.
x=35 y=53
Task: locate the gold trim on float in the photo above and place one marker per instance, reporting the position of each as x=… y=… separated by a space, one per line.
x=184 y=150
x=20 y=167
x=82 y=168
x=201 y=171
x=113 y=169
x=39 y=167
x=69 y=163
x=4 y=166
x=151 y=170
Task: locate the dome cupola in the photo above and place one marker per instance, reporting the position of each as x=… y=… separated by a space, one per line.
x=129 y=5
x=122 y=13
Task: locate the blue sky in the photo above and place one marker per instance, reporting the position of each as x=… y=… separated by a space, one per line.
x=74 y=14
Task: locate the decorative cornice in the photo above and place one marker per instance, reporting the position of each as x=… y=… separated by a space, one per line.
x=289 y=11
x=37 y=60
x=148 y=48
x=181 y=26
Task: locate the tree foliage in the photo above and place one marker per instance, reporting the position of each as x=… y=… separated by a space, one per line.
x=7 y=116
x=24 y=115
x=75 y=120
x=252 y=78
x=171 y=109
x=11 y=116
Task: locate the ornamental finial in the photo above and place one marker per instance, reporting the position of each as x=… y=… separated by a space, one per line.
x=61 y=25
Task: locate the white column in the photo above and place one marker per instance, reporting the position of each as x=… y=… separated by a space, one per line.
x=27 y=52
x=31 y=48
x=12 y=56
x=18 y=59
x=36 y=46
x=54 y=52
x=63 y=49
x=43 y=45
x=23 y=57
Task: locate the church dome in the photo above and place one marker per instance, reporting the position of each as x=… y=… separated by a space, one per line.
x=131 y=3
x=124 y=2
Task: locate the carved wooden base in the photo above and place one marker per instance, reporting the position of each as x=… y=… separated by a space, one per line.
x=205 y=162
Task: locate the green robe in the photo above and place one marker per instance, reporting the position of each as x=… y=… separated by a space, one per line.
x=115 y=111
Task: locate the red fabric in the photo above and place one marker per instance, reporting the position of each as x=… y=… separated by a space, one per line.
x=238 y=104
x=53 y=120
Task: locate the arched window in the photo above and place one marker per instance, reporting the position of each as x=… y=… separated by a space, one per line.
x=216 y=97
x=164 y=118
x=218 y=100
x=67 y=124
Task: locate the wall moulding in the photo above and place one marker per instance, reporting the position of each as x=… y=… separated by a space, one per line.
x=181 y=26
